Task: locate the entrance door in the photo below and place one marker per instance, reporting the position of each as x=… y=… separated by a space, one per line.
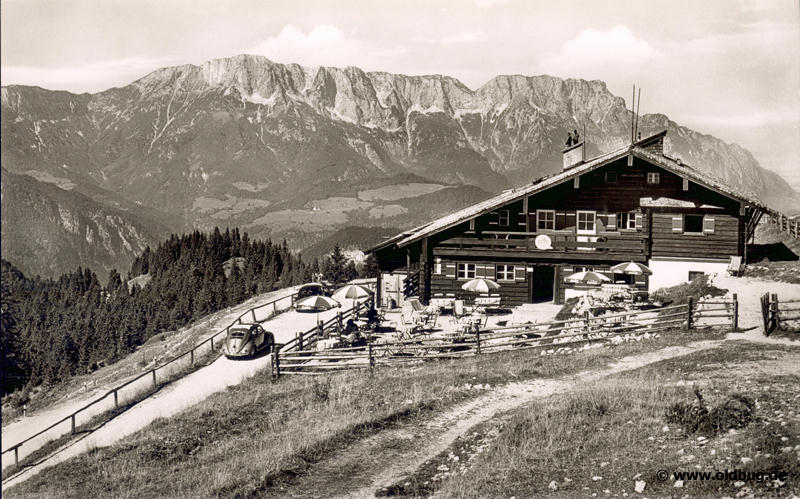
x=541 y=287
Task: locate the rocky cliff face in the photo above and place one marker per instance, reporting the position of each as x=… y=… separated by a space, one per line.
x=47 y=230
x=245 y=141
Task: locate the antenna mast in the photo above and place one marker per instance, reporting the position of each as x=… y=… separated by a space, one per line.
x=636 y=123
x=633 y=110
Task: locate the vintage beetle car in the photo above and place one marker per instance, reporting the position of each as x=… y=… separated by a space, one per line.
x=246 y=340
x=312 y=289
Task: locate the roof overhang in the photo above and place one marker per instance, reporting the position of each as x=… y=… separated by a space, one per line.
x=637 y=149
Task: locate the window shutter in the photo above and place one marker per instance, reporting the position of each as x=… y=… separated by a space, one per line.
x=708 y=225
x=571 y=219
x=561 y=220
x=677 y=223
x=638 y=221
x=612 y=222
x=490 y=273
x=519 y=272
x=450 y=270
x=480 y=270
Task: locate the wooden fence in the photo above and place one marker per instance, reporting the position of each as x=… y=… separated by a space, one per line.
x=789 y=225
x=776 y=313
x=549 y=335
x=715 y=312
x=308 y=339
x=147 y=382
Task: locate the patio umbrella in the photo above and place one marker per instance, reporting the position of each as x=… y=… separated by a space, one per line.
x=352 y=292
x=480 y=285
x=315 y=303
x=631 y=268
x=587 y=277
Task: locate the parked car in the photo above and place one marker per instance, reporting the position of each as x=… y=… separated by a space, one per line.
x=246 y=340
x=311 y=289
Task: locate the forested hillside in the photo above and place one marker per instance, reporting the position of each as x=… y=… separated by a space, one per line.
x=56 y=328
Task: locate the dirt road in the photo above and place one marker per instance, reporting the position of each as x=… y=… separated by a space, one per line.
x=398 y=452
x=182 y=393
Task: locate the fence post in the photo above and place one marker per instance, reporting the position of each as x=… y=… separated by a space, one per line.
x=154 y=378
x=253 y=311
x=735 y=312
x=212 y=343
x=339 y=319
x=371 y=358
x=72 y=421
x=586 y=318
x=16 y=456
x=116 y=399
x=191 y=356
x=478 y=341
x=765 y=312
x=299 y=336
x=690 y=314
x=276 y=364
x=776 y=311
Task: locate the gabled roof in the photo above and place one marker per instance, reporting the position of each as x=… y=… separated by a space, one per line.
x=638 y=149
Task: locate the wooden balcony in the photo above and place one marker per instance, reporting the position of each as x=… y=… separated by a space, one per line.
x=563 y=246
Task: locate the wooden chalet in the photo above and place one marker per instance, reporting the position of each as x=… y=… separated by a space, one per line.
x=632 y=204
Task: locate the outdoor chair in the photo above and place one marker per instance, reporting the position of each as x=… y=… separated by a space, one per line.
x=736 y=266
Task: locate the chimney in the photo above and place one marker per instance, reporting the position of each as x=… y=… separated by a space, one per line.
x=654 y=143
x=573 y=155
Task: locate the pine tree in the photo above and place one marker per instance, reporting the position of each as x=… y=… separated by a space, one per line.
x=337 y=267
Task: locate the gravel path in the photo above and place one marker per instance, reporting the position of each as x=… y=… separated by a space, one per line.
x=182 y=393
x=749 y=292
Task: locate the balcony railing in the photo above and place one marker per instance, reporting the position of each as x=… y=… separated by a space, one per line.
x=555 y=245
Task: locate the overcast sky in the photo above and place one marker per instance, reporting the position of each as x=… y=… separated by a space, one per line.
x=730 y=68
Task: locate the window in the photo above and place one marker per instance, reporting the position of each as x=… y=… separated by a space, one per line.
x=611 y=177
x=437 y=266
x=626 y=220
x=545 y=219
x=693 y=224
x=586 y=220
x=505 y=272
x=693 y=274
x=466 y=271
x=653 y=178
x=503 y=218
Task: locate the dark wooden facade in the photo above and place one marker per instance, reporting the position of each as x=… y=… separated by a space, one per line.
x=625 y=209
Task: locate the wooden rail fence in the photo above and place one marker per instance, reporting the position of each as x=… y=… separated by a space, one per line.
x=259 y=313
x=547 y=336
x=789 y=225
x=776 y=313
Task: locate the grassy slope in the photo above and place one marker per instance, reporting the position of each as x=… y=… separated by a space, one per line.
x=614 y=429
x=260 y=435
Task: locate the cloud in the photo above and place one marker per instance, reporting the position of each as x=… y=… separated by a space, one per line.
x=591 y=47
x=322 y=45
x=90 y=77
x=488 y=4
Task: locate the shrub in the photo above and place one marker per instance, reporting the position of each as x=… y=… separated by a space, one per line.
x=736 y=412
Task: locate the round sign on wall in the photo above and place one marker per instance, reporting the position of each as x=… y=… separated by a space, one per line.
x=543 y=242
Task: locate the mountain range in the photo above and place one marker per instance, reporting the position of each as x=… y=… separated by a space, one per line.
x=287 y=151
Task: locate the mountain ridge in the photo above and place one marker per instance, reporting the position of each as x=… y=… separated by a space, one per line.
x=286 y=150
